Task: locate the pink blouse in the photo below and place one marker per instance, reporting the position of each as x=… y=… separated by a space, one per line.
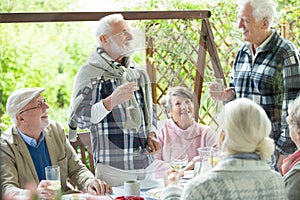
x=197 y=135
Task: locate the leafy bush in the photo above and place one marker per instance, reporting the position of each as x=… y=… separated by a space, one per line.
x=49 y=54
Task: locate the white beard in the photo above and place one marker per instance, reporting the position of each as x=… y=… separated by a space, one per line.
x=121 y=51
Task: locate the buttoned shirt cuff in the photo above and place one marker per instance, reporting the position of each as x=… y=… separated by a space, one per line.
x=152 y=129
x=98 y=112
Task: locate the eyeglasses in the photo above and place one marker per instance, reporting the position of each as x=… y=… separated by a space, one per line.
x=39 y=106
x=122 y=34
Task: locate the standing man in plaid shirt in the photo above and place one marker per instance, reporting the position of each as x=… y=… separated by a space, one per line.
x=266 y=70
x=123 y=140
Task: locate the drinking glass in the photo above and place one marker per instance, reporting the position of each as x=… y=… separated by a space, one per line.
x=129 y=76
x=217 y=85
x=217 y=95
x=53 y=176
x=178 y=157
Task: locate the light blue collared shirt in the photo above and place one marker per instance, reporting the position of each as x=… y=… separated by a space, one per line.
x=31 y=141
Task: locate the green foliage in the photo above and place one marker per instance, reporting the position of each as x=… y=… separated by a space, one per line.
x=227 y=38
x=34 y=5
x=289 y=22
x=42 y=55
x=49 y=54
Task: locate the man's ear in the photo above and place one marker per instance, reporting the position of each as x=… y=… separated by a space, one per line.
x=266 y=22
x=102 y=38
x=19 y=117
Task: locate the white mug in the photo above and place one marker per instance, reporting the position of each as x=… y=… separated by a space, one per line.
x=132 y=188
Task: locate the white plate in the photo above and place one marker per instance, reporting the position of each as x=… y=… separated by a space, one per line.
x=74 y=197
x=188 y=174
x=148 y=184
x=154 y=194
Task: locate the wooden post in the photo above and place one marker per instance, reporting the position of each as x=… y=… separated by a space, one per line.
x=206 y=43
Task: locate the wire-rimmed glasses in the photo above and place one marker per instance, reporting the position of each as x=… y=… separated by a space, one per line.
x=38 y=106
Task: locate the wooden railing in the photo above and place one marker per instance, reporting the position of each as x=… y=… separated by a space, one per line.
x=95 y=16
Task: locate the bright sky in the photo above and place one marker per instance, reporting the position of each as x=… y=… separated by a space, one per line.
x=104 y=5
x=115 y=5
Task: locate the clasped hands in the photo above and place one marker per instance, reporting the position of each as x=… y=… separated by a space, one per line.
x=171 y=177
x=96 y=187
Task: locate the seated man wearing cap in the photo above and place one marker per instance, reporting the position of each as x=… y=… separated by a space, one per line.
x=32 y=143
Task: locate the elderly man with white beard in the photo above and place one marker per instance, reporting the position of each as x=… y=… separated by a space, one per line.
x=123 y=139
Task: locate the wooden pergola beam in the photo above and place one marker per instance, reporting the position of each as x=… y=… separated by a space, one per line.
x=95 y=16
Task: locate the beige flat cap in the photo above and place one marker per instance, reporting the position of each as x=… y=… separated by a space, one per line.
x=20 y=98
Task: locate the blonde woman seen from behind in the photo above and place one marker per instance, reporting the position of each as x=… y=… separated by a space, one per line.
x=243 y=173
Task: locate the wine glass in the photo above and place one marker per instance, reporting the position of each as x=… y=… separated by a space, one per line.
x=178 y=157
x=129 y=75
x=216 y=88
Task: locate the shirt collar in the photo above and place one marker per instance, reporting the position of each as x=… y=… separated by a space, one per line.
x=247 y=156
x=262 y=46
x=31 y=141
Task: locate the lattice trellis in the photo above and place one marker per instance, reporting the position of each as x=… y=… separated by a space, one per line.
x=172 y=57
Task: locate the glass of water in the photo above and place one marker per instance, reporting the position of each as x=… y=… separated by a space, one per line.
x=53 y=176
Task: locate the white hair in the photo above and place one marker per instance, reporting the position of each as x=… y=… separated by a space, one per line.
x=293 y=118
x=104 y=25
x=175 y=91
x=13 y=120
x=261 y=9
x=247 y=128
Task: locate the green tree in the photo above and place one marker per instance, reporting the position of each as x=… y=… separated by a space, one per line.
x=41 y=55
x=49 y=54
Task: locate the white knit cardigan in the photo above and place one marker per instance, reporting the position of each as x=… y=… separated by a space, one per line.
x=232 y=179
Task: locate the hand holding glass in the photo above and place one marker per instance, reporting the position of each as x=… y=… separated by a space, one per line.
x=217 y=89
x=53 y=176
x=129 y=76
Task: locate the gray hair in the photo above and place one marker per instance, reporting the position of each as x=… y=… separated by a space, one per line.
x=175 y=91
x=293 y=118
x=13 y=120
x=247 y=128
x=261 y=9
x=104 y=25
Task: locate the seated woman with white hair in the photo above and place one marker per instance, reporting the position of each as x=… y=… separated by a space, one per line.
x=243 y=173
x=291 y=165
x=181 y=130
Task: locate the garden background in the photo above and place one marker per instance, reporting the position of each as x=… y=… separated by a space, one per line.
x=49 y=54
